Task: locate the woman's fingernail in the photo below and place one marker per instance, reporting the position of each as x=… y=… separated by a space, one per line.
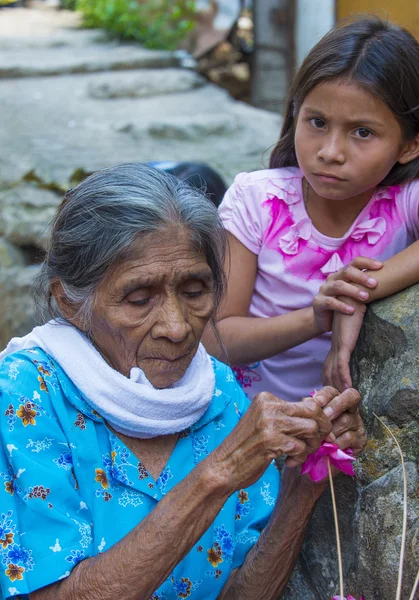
x=328 y=411
x=349 y=309
x=363 y=295
x=371 y=281
x=378 y=263
x=346 y=386
x=320 y=399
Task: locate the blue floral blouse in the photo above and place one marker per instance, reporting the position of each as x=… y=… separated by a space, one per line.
x=70 y=489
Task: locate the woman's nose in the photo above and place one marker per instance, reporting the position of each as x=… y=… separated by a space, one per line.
x=332 y=151
x=172 y=323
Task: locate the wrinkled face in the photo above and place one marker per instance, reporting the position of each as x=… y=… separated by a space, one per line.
x=346 y=140
x=151 y=310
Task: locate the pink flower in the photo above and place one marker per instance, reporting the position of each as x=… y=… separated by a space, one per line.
x=316 y=463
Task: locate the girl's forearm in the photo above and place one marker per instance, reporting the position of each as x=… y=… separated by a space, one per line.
x=270 y=562
x=398 y=273
x=137 y=565
x=251 y=339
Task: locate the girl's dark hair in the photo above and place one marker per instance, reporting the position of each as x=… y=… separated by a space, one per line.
x=201 y=177
x=377 y=55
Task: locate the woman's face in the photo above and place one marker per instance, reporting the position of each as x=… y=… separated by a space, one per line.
x=152 y=308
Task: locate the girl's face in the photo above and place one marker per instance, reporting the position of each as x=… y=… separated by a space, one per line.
x=346 y=140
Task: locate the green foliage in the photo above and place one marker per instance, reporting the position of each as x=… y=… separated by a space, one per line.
x=154 y=23
x=68 y=4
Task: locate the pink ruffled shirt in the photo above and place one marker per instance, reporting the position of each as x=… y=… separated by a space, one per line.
x=265 y=211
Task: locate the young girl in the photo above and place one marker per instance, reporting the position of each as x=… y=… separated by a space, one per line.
x=342 y=184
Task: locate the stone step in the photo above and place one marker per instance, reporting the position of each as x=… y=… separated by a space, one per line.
x=143 y=83
x=62 y=124
x=35 y=62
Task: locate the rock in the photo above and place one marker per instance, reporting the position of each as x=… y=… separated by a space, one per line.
x=9 y=255
x=27 y=194
x=299 y=585
x=380 y=531
x=26 y=211
x=147 y=82
x=17 y=316
x=184 y=128
x=385 y=370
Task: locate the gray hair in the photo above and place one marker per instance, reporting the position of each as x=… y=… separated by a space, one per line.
x=98 y=221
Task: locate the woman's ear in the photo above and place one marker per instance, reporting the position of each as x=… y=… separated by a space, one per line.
x=410 y=151
x=68 y=310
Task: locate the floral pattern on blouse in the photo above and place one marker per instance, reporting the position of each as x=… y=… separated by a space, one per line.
x=70 y=488
x=247 y=375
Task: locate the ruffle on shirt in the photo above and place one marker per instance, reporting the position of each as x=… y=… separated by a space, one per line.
x=388 y=193
x=289 y=243
x=287 y=191
x=293 y=234
x=372 y=229
x=291 y=196
x=333 y=264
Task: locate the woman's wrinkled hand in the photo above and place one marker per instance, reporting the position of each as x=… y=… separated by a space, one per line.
x=341 y=285
x=270 y=428
x=343 y=411
x=345 y=333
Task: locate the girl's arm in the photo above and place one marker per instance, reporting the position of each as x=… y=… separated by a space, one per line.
x=250 y=339
x=399 y=272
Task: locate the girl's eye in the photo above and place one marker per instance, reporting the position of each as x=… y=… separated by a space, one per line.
x=363 y=133
x=317 y=122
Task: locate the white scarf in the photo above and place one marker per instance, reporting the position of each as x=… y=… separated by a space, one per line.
x=131 y=406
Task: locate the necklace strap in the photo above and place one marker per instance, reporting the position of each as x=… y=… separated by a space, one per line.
x=305 y=192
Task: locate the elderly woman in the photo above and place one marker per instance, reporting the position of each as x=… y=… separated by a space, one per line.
x=133 y=466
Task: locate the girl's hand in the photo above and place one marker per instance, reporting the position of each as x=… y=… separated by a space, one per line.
x=344 y=283
x=345 y=334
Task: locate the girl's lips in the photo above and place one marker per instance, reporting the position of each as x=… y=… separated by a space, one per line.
x=327 y=177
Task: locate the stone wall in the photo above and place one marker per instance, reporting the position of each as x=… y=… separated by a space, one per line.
x=385 y=368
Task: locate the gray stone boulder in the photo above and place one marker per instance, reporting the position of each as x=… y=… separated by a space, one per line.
x=10 y=255
x=26 y=211
x=17 y=316
x=385 y=370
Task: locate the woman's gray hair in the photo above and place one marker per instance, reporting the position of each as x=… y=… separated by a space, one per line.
x=99 y=220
